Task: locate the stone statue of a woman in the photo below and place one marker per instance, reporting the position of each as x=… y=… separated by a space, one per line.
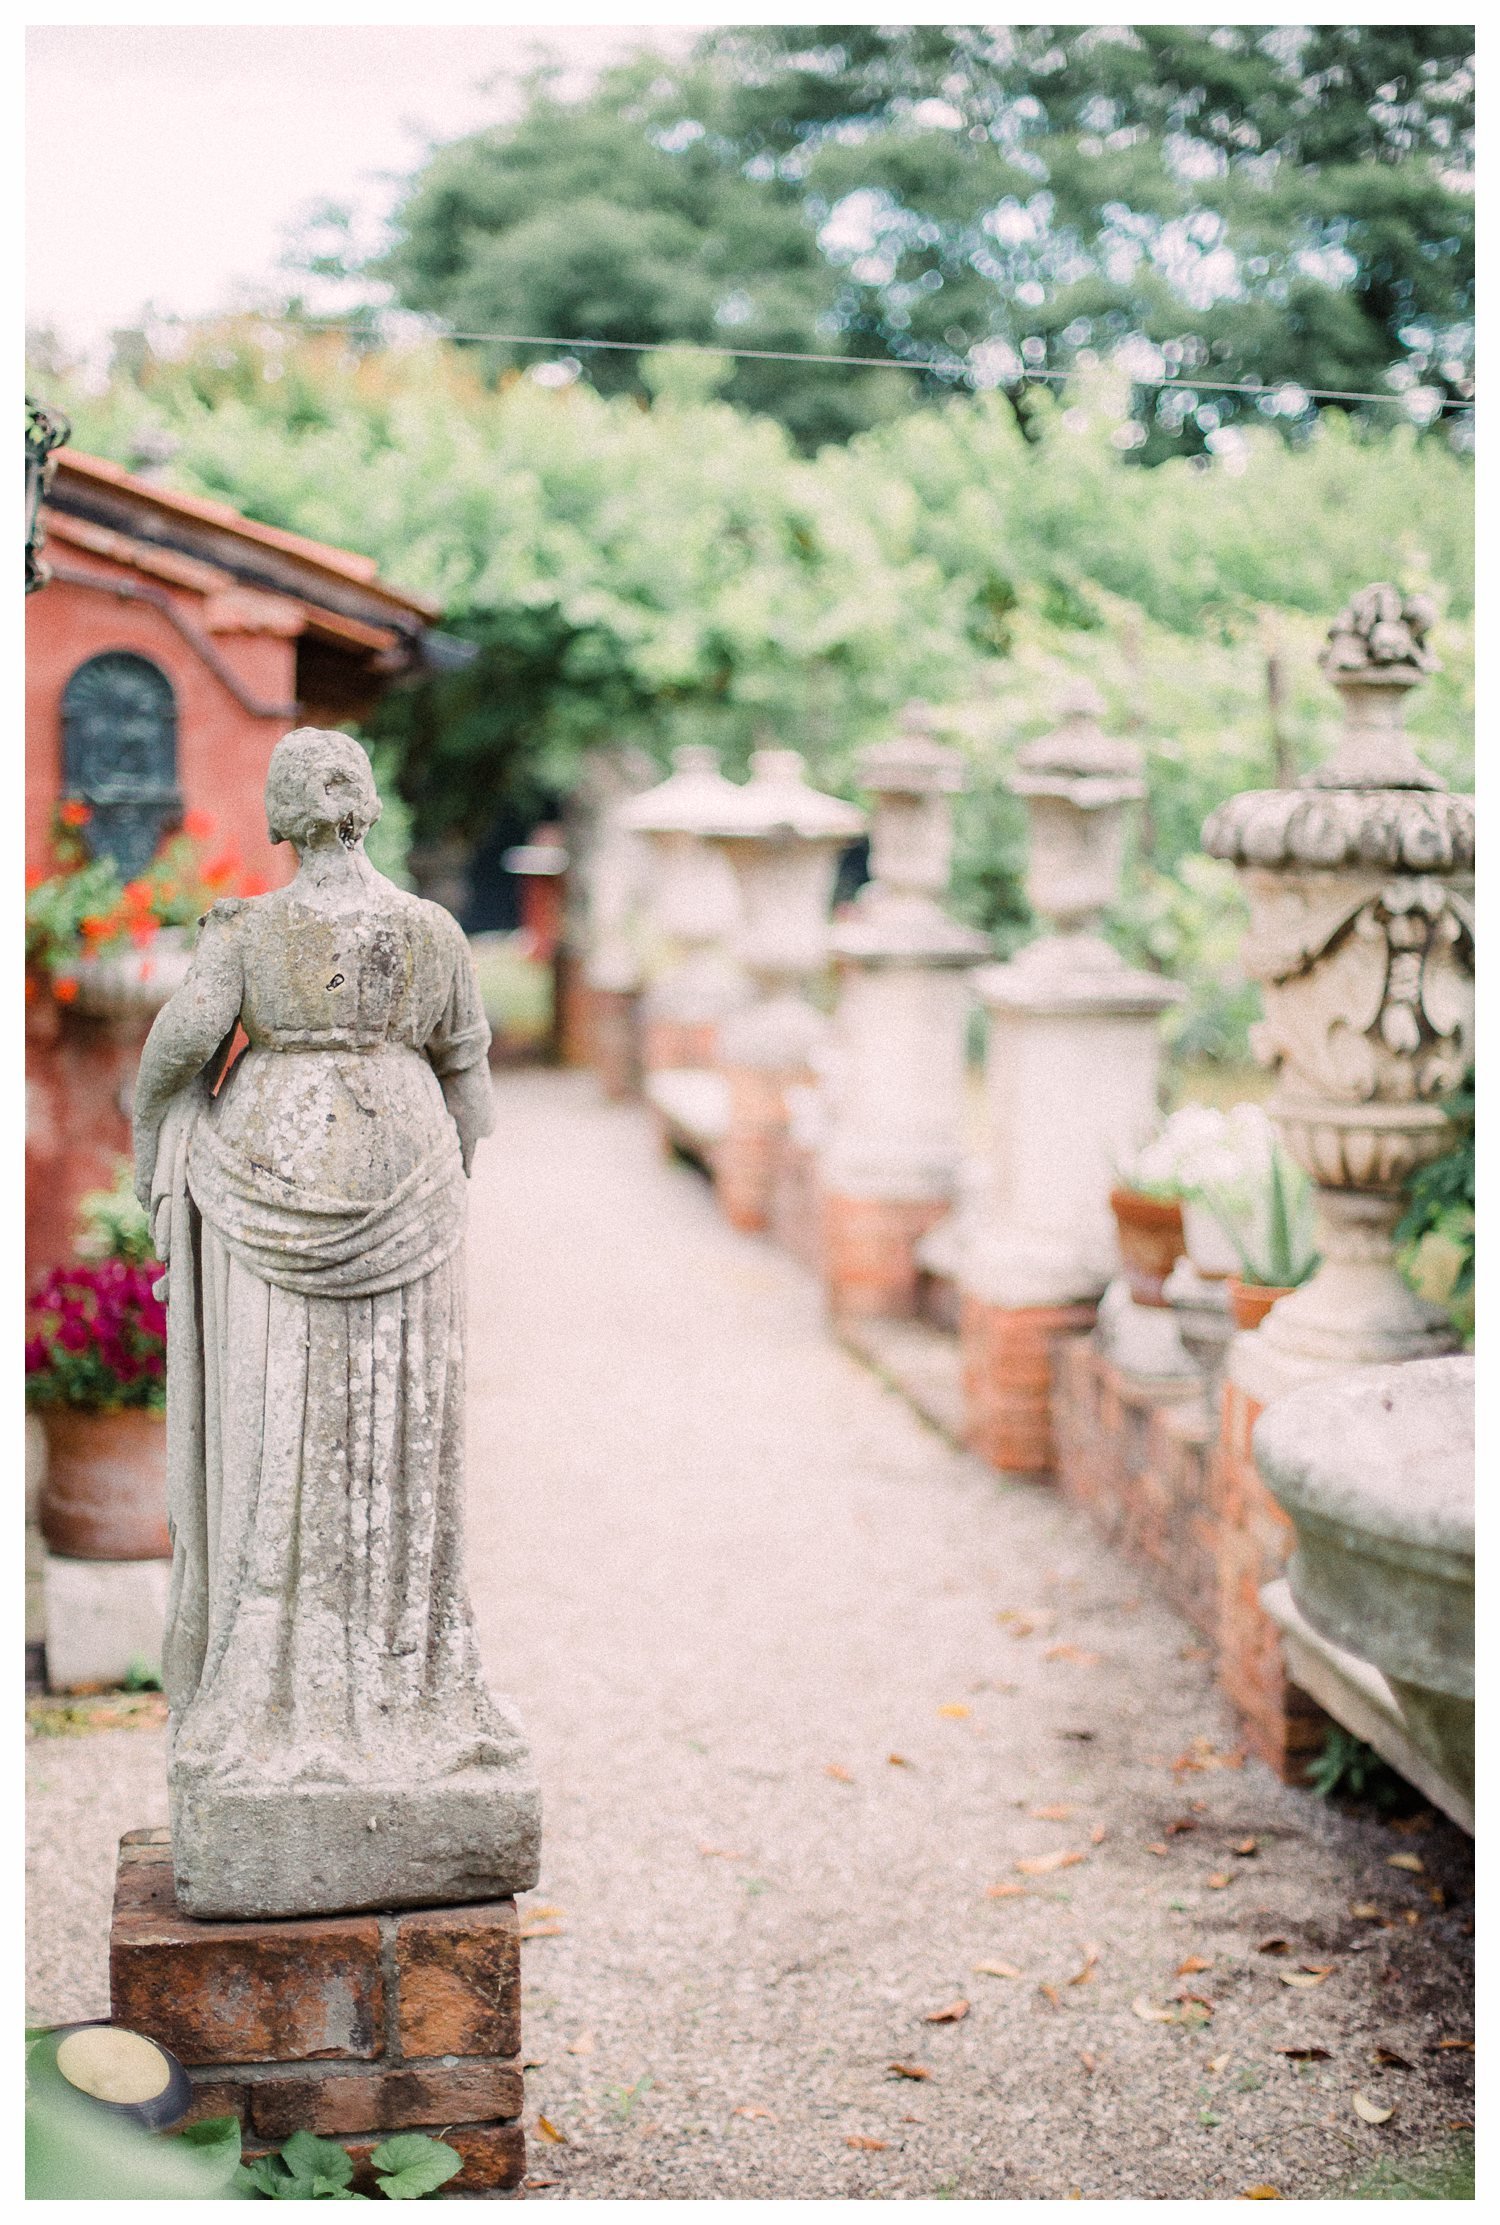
x=333 y=1744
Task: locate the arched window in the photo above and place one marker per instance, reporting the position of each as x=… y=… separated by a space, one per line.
x=120 y=755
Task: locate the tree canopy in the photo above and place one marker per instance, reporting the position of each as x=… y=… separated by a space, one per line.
x=1288 y=207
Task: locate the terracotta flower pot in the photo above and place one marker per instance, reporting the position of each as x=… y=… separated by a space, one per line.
x=105 y=1497
x=1151 y=1241
x=1250 y=1302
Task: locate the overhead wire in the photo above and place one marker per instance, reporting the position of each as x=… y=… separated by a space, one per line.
x=951 y=368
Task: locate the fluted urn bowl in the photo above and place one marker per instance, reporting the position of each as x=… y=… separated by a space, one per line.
x=1376 y=1471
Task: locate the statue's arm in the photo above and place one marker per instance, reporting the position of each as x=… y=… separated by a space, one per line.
x=459 y=1052
x=190 y=1027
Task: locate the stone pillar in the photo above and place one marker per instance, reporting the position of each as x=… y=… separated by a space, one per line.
x=894 y=1100
x=599 y=969
x=783 y=840
x=694 y=910
x=1072 y=1076
x=1360 y=882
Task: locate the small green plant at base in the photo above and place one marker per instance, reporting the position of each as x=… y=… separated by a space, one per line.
x=1284 y=1257
x=1435 y=1236
x=307 y=2169
x=140 y=1676
x=1349 y=1767
x=622 y=2099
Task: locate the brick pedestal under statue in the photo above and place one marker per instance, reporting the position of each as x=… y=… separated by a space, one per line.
x=351 y=2027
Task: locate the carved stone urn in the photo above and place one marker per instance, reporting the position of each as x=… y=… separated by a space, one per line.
x=1360 y=883
x=694 y=906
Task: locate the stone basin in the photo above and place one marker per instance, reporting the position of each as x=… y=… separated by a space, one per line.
x=1376 y=1471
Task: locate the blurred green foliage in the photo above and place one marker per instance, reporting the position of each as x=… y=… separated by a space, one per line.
x=1435 y=1235
x=679 y=572
x=1288 y=205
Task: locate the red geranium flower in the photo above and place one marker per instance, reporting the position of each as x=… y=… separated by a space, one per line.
x=74 y=812
x=65 y=988
x=198 y=824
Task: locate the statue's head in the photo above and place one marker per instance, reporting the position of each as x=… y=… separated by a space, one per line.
x=318 y=778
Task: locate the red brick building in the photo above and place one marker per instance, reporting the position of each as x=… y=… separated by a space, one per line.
x=175 y=643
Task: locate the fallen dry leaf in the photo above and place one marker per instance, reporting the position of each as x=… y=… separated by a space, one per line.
x=1274 y=1947
x=956 y=1708
x=1098 y=1835
x=1437 y=1896
x=1194 y=2002
x=1056 y=1814
x=954 y=2013
x=536 y=2185
x=836 y=1769
x=909 y=2070
x=1412 y=1862
x=1466 y=2045
x=1203 y=1754
x=1411 y=1916
x=899 y=1761
x=540 y=1931
x=1089 y=2062
x=545 y=1908
x=863 y=2140
x=750 y=2109
x=1303 y=1977
x=1080 y=1654
x=997 y=1970
x=1218 y=1881
x=720 y=1853
x=1245 y=1846
x=1042 y=1865
x=549 y=2131
x=1217 y=2063
x=1006 y=1892
x=1149 y=2013
x=1371 y=2111
x=1090 y=1964
x=1391 y=2059
x=1156 y=1847
x=1051 y=1993
x=1084 y=1738
x=1367 y=1911
x=1412 y=1826
x=1193 y=1965
x=1261 y=2194
x=1306 y=2054
x=583 y=2045
x=1180 y=1824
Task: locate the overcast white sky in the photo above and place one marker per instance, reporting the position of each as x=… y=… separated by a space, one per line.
x=166 y=164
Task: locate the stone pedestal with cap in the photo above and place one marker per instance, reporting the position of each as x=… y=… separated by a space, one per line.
x=608 y=873
x=782 y=839
x=695 y=979
x=1072 y=1074
x=893 y=1101
x=1360 y=882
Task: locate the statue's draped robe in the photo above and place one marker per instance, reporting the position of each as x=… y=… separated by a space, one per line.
x=311 y=1216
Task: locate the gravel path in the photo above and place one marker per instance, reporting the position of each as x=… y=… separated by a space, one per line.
x=730 y=1579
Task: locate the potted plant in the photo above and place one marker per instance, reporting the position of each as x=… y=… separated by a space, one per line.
x=1267 y=1215
x=96 y=1365
x=1148 y=1199
x=106 y=947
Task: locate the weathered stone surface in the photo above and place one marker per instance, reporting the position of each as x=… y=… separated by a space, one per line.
x=458 y=1982
x=334 y=1745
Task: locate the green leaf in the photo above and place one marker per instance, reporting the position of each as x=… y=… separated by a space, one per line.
x=413 y=2164
x=264 y=2176
x=216 y=2139
x=308 y=2157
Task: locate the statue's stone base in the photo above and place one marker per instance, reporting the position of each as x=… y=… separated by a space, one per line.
x=325 y=1849
x=870 y=1266
x=1009 y=1364
x=351 y=2027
